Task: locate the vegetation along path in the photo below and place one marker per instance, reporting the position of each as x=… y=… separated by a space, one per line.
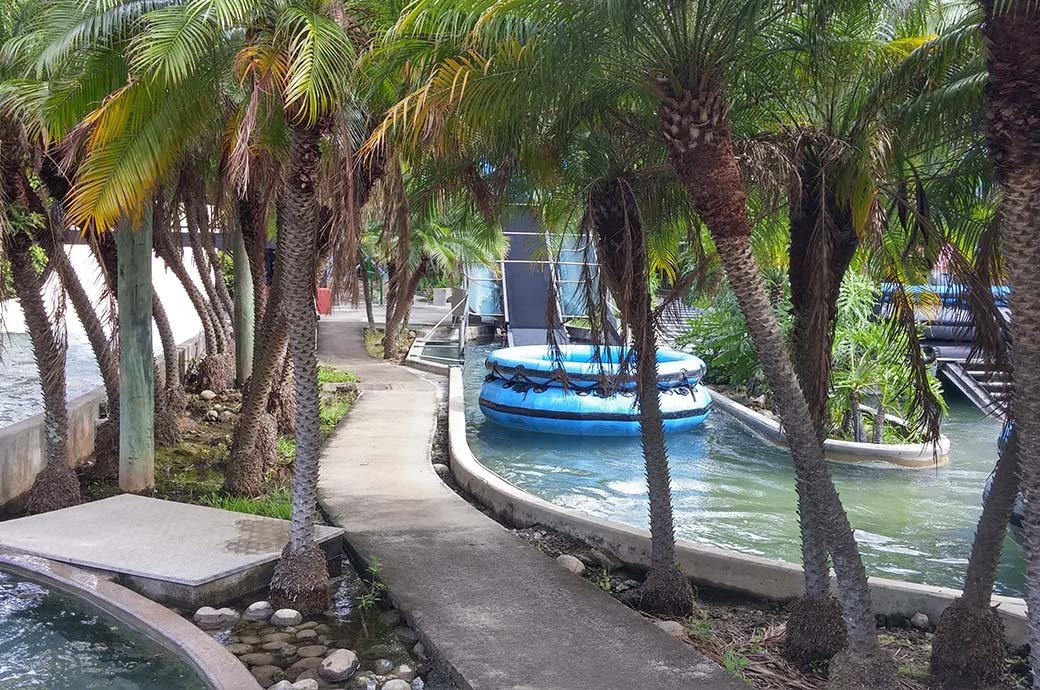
x=500 y=614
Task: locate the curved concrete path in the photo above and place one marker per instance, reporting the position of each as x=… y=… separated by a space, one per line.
x=497 y=612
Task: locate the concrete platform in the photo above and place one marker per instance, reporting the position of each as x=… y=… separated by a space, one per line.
x=174 y=553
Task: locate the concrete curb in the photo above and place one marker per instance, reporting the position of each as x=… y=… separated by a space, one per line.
x=706 y=565
x=216 y=666
x=905 y=455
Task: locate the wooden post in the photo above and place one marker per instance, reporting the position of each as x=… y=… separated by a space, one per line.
x=244 y=315
x=136 y=360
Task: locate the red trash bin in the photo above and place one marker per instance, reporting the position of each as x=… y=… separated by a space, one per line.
x=325 y=301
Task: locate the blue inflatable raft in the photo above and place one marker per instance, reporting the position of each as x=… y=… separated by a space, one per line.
x=525 y=389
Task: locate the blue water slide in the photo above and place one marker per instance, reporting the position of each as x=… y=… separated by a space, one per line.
x=528 y=284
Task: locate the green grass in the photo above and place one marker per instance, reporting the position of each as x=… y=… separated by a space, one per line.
x=331 y=375
x=277 y=504
x=188 y=470
x=332 y=412
x=286 y=449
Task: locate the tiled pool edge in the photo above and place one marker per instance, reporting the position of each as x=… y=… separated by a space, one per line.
x=707 y=565
x=216 y=666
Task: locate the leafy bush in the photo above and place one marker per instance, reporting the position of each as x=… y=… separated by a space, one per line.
x=869 y=358
x=869 y=366
x=718 y=335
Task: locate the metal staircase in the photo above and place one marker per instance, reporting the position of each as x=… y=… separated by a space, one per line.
x=988 y=389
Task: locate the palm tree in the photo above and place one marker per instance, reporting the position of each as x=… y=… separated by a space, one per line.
x=617 y=225
x=827 y=125
x=425 y=230
x=50 y=237
x=938 y=95
x=1013 y=140
x=305 y=56
x=56 y=486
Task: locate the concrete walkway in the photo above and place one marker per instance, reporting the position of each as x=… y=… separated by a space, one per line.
x=498 y=613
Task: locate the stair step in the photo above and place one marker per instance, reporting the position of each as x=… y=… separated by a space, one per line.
x=989 y=375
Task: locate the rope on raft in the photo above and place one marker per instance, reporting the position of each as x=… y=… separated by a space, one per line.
x=520 y=382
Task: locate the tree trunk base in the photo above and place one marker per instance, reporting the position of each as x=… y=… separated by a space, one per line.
x=875 y=671
x=56 y=487
x=665 y=592
x=217 y=372
x=301 y=581
x=968 y=648
x=245 y=476
x=815 y=631
x=169 y=406
x=106 y=450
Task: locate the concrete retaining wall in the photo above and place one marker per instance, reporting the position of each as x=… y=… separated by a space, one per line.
x=22 y=445
x=706 y=565
x=908 y=455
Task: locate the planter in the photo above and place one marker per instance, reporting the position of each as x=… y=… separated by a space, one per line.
x=908 y=455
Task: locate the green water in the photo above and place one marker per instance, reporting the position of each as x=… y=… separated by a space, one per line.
x=732 y=490
x=52 y=641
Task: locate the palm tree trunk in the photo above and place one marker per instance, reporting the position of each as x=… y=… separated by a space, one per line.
x=969 y=644
x=301 y=576
x=366 y=288
x=170 y=398
x=209 y=270
x=1013 y=101
x=106 y=448
x=879 y=424
x=246 y=471
x=216 y=370
x=392 y=327
x=165 y=250
x=858 y=434
x=823 y=243
x=1021 y=220
x=250 y=454
x=253 y=223
x=696 y=128
x=620 y=239
x=281 y=401
x=210 y=300
x=56 y=486
x=209 y=247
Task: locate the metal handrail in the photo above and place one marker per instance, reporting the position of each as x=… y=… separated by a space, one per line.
x=450 y=314
x=463 y=327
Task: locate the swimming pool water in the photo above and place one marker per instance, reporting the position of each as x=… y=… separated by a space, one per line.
x=50 y=640
x=735 y=491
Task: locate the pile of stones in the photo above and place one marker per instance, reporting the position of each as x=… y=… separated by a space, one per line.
x=285 y=652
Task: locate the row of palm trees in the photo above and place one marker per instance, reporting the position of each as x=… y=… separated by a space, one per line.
x=673 y=134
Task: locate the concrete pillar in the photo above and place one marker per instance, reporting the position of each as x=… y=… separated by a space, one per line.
x=244 y=315
x=136 y=361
